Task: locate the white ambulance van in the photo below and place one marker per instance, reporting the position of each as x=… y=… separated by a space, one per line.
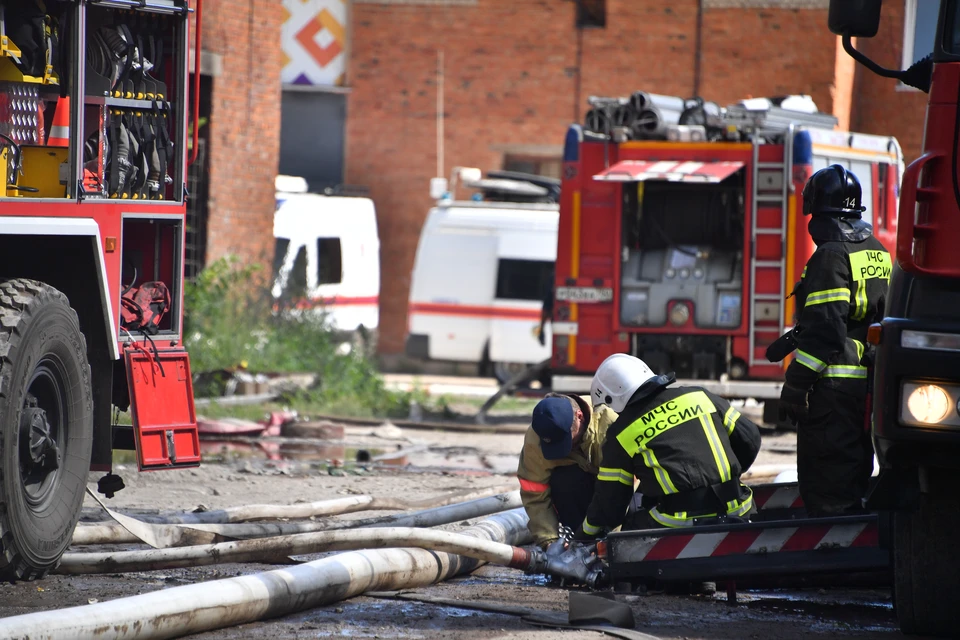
x=327 y=255
x=483 y=268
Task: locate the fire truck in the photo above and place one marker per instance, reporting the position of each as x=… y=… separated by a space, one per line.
x=916 y=387
x=681 y=237
x=93 y=156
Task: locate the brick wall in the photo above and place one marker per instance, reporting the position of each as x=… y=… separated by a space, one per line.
x=767 y=52
x=879 y=106
x=244 y=126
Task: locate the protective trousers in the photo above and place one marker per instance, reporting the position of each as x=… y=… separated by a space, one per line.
x=571 y=489
x=834 y=453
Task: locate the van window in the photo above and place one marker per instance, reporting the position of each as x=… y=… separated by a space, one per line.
x=296 y=285
x=523 y=279
x=881 y=218
x=279 y=255
x=329 y=261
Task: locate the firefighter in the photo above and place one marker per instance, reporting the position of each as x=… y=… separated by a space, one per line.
x=842 y=291
x=559 y=463
x=686 y=445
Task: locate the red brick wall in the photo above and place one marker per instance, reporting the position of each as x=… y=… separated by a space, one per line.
x=244 y=126
x=878 y=106
x=767 y=52
x=511 y=80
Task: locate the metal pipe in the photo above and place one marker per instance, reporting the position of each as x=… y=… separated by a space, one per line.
x=196 y=86
x=278 y=549
x=115 y=533
x=191 y=609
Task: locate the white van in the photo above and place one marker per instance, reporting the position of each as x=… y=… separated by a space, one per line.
x=481 y=273
x=327 y=255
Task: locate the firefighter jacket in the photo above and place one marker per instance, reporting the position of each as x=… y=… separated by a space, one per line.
x=841 y=293
x=534 y=470
x=687 y=447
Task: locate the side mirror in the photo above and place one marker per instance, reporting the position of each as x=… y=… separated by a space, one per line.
x=854 y=18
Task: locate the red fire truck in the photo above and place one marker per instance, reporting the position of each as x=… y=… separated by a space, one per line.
x=681 y=234
x=916 y=390
x=93 y=143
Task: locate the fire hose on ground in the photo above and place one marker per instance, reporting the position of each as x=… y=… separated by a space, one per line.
x=209 y=533
x=216 y=604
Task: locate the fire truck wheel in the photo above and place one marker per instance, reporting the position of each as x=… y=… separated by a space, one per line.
x=46 y=410
x=925 y=560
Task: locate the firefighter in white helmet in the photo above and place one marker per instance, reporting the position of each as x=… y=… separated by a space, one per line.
x=686 y=445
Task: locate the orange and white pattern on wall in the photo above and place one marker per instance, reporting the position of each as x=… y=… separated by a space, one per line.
x=314 y=42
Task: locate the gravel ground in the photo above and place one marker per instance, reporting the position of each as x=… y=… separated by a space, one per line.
x=436 y=463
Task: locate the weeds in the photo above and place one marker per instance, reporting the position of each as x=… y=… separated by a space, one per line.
x=230 y=323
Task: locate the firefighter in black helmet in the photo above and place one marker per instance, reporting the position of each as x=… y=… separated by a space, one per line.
x=841 y=292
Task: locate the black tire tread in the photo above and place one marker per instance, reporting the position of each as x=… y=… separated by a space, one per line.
x=926 y=586
x=19 y=298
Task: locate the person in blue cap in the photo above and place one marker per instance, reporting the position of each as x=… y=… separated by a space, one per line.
x=560 y=461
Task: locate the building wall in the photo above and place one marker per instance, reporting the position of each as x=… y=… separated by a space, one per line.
x=244 y=126
x=511 y=84
x=880 y=106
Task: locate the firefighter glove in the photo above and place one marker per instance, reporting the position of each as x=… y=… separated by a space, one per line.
x=793 y=403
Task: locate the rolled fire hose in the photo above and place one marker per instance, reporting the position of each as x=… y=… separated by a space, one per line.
x=115 y=533
x=190 y=609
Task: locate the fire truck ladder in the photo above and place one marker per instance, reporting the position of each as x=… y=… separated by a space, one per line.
x=771 y=190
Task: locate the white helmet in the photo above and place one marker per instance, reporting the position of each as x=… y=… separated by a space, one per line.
x=617 y=379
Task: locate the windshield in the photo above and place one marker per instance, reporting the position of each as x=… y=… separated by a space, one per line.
x=951 y=35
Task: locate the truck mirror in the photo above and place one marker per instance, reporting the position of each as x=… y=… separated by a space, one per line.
x=854 y=18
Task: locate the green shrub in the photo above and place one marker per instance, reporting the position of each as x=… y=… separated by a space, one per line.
x=230 y=322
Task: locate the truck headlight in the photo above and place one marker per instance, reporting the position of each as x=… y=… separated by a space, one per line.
x=929 y=404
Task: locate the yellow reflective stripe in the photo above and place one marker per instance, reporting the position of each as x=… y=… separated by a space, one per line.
x=810 y=362
x=675 y=520
x=745 y=506
x=589 y=529
x=845 y=371
x=663 y=478
x=804 y=274
x=870 y=264
x=609 y=474
x=859 y=346
x=716 y=447
x=827 y=295
x=730 y=419
x=860 y=301
x=663 y=418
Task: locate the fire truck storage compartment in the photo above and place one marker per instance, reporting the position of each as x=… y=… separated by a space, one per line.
x=150 y=249
x=683 y=242
x=131 y=147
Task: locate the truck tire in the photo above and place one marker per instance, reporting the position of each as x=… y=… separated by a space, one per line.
x=46 y=416
x=925 y=560
x=503 y=371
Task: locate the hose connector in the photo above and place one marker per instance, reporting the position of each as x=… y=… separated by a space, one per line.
x=569 y=559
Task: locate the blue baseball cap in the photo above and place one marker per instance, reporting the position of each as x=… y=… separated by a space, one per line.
x=552 y=421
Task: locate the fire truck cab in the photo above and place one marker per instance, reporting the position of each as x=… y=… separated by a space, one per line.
x=93 y=162
x=681 y=243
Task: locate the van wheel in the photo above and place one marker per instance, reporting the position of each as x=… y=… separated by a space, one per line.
x=503 y=371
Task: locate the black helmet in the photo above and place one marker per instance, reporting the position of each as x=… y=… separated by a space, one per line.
x=833 y=191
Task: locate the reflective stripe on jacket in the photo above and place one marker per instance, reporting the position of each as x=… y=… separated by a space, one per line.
x=842 y=291
x=681 y=440
x=534 y=470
